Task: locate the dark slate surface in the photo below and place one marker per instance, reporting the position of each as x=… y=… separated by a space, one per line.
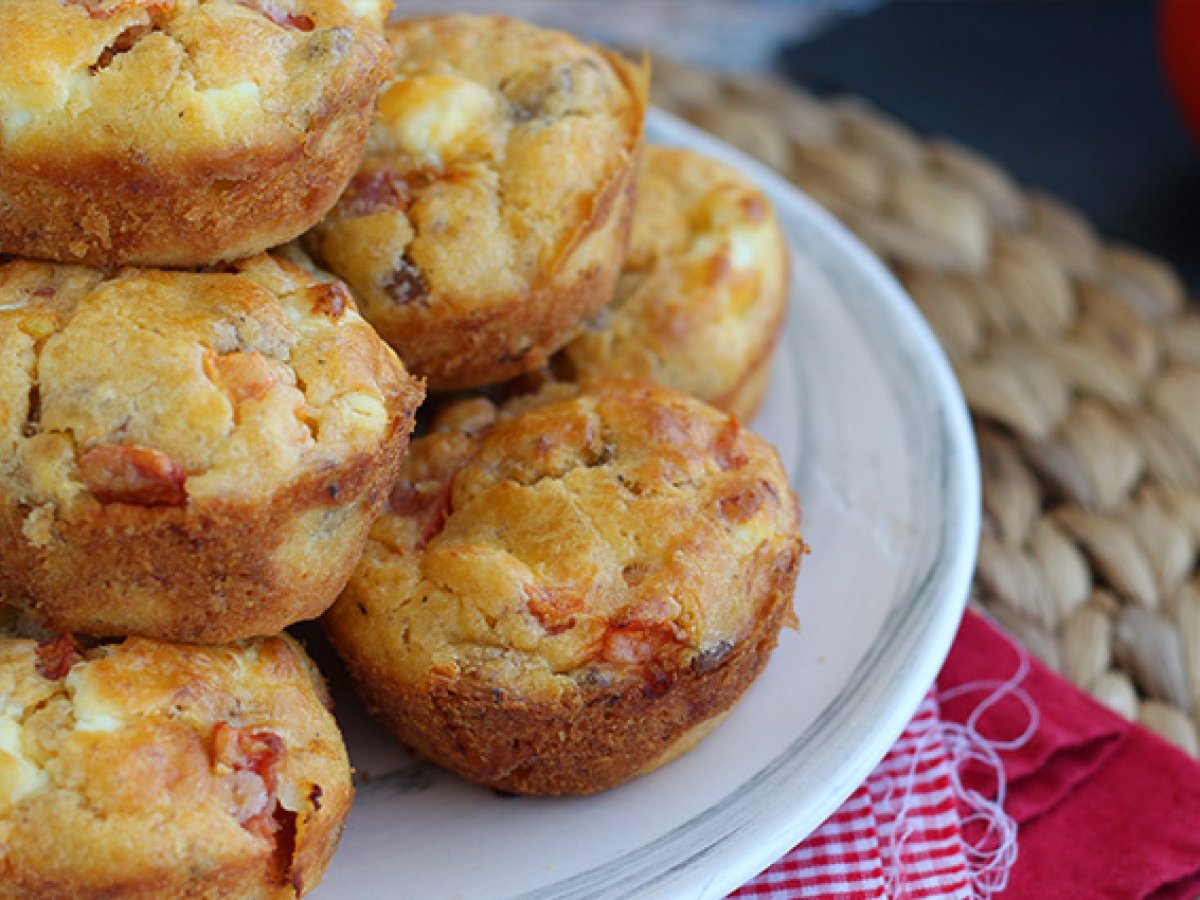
x=1067 y=96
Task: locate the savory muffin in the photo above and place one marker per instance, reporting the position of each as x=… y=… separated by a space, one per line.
x=145 y=769
x=179 y=132
x=192 y=457
x=699 y=305
x=491 y=213
x=567 y=592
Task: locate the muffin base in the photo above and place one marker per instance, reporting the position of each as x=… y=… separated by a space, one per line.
x=595 y=738
x=211 y=572
x=105 y=212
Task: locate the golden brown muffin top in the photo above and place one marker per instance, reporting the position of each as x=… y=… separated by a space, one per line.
x=124 y=758
x=496 y=146
x=177 y=87
x=154 y=388
x=702 y=294
x=574 y=537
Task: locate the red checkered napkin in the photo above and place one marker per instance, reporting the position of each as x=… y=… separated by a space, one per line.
x=1104 y=808
x=898 y=836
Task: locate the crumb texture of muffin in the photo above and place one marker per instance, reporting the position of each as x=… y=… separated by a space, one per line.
x=179 y=132
x=564 y=592
x=700 y=303
x=144 y=769
x=491 y=213
x=186 y=456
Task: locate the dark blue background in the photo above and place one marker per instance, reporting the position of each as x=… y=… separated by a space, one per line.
x=1067 y=96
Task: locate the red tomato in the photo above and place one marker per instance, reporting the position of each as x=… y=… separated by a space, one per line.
x=1179 y=46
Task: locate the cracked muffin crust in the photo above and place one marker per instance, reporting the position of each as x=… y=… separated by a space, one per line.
x=144 y=769
x=569 y=591
x=491 y=213
x=179 y=132
x=700 y=303
x=184 y=456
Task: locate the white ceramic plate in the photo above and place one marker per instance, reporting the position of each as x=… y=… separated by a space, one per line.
x=871 y=426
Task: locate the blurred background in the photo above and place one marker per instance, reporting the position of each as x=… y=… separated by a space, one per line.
x=733 y=35
x=1068 y=96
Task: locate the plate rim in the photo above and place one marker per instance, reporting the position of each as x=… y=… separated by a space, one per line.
x=926 y=623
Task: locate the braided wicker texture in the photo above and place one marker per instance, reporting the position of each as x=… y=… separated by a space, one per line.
x=1079 y=358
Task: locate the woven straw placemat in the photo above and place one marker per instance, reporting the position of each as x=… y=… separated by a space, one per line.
x=1079 y=358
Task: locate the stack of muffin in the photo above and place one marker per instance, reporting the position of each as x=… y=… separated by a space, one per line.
x=568 y=580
